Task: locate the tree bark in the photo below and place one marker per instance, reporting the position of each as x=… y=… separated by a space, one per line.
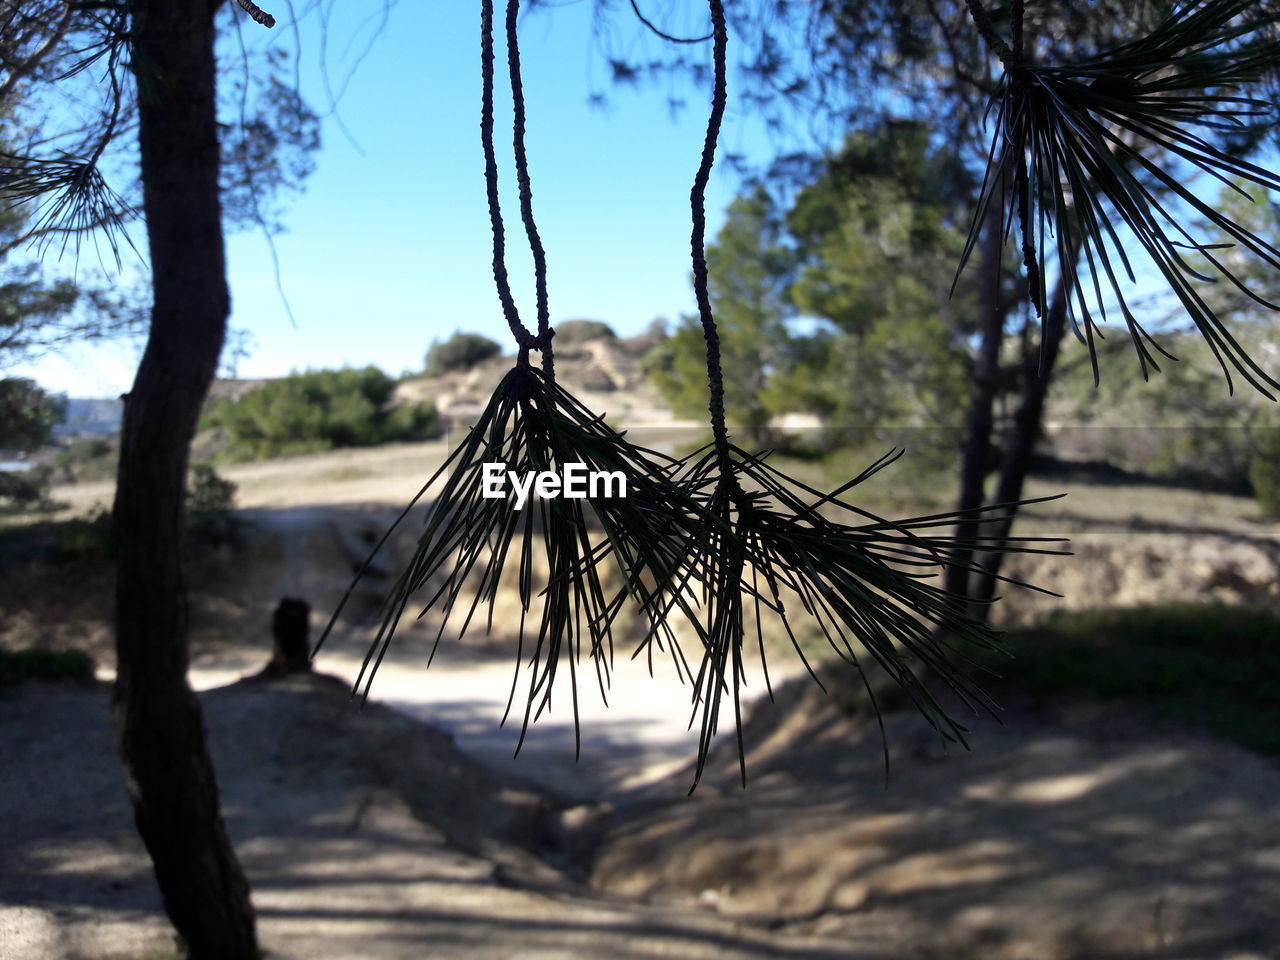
x=1024 y=430
x=157 y=718
x=980 y=421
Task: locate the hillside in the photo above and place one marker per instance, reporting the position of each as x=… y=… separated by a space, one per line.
x=603 y=373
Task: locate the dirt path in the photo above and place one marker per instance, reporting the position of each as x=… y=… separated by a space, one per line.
x=364 y=835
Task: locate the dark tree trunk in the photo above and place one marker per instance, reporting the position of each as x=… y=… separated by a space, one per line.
x=1024 y=430
x=980 y=422
x=157 y=717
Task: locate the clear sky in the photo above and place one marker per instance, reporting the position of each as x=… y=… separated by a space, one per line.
x=390 y=244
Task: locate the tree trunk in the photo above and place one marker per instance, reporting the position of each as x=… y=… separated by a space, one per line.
x=1024 y=430
x=157 y=717
x=981 y=417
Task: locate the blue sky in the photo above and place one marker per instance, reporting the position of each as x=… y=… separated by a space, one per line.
x=390 y=245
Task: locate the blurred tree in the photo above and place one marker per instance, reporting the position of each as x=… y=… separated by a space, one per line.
x=878 y=233
x=462 y=351
x=28 y=414
x=580 y=331
x=319 y=410
x=148 y=68
x=748 y=272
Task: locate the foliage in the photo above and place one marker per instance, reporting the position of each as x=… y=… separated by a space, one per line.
x=569 y=332
x=1070 y=159
x=748 y=270
x=866 y=248
x=25 y=490
x=28 y=414
x=1264 y=467
x=46 y=666
x=1216 y=664
x=462 y=351
x=86 y=459
x=319 y=410
x=877 y=231
x=210 y=500
x=90 y=538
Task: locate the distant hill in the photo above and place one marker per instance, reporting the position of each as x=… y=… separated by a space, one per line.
x=90 y=416
x=604 y=373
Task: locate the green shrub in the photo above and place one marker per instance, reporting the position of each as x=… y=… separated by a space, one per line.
x=50 y=666
x=86 y=459
x=580 y=331
x=1213 y=665
x=207 y=491
x=210 y=500
x=90 y=538
x=316 y=411
x=24 y=490
x=1264 y=470
x=462 y=351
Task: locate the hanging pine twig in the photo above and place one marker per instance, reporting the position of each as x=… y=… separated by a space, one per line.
x=531 y=425
x=862 y=581
x=1077 y=142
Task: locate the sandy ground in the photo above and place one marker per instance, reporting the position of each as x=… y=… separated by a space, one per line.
x=1075 y=832
x=364 y=835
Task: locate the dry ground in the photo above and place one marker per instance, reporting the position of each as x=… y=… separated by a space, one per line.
x=1074 y=832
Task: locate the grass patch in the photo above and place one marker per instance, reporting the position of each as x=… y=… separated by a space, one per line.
x=49 y=666
x=1216 y=667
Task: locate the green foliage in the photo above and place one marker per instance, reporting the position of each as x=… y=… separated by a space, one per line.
x=877 y=233
x=462 y=351
x=90 y=538
x=86 y=459
x=569 y=332
x=208 y=492
x=28 y=414
x=1264 y=468
x=47 y=666
x=867 y=247
x=210 y=500
x=1215 y=665
x=747 y=276
x=319 y=410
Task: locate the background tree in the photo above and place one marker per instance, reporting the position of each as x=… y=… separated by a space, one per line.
x=852 y=65
x=462 y=351
x=148 y=69
x=748 y=270
x=320 y=410
x=878 y=232
x=28 y=414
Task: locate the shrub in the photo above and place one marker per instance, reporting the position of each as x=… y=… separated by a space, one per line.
x=24 y=489
x=86 y=459
x=462 y=351
x=1264 y=470
x=91 y=538
x=1213 y=665
x=210 y=500
x=50 y=666
x=316 y=411
x=580 y=331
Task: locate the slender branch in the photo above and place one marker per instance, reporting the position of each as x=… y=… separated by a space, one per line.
x=24 y=68
x=257 y=13
x=545 y=333
x=982 y=20
x=666 y=36
x=1015 y=31
x=518 y=330
x=698 y=203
